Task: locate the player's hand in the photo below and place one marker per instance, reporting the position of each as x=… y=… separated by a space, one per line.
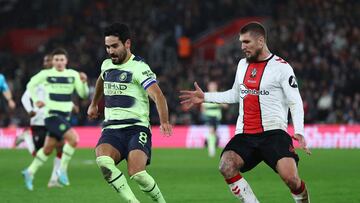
x=12 y=104
x=190 y=98
x=83 y=77
x=93 y=111
x=32 y=114
x=166 y=129
x=302 y=142
x=39 y=104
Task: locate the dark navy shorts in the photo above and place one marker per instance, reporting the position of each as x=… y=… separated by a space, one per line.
x=269 y=146
x=211 y=121
x=128 y=139
x=57 y=126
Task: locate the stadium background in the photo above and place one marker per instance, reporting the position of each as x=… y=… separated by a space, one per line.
x=186 y=41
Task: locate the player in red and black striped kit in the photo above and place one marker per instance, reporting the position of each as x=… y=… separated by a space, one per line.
x=265 y=87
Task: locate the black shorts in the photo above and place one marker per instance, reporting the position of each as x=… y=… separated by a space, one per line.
x=269 y=146
x=57 y=126
x=39 y=134
x=128 y=139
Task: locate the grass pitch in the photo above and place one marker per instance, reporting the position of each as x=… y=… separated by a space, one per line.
x=184 y=175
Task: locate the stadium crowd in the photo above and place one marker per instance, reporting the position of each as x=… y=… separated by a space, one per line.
x=321 y=43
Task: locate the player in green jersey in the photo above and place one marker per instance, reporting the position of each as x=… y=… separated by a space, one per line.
x=59 y=83
x=211 y=115
x=126 y=81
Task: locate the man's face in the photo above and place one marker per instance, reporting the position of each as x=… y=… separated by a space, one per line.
x=212 y=87
x=60 y=61
x=116 y=49
x=47 y=61
x=251 y=45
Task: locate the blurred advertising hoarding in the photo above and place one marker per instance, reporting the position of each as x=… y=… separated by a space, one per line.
x=317 y=136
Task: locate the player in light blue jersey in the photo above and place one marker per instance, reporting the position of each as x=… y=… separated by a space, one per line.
x=126 y=82
x=4 y=88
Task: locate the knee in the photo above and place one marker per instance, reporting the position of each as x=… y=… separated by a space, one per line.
x=134 y=170
x=228 y=169
x=72 y=138
x=292 y=181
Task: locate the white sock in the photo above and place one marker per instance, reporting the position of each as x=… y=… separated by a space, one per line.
x=301 y=195
x=29 y=141
x=241 y=189
x=56 y=167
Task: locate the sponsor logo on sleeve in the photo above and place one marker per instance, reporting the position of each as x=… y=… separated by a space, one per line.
x=293 y=82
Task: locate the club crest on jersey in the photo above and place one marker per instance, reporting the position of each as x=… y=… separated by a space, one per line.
x=253 y=73
x=70 y=80
x=123 y=76
x=292 y=82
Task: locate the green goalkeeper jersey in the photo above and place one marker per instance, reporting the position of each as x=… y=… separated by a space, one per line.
x=126 y=99
x=59 y=87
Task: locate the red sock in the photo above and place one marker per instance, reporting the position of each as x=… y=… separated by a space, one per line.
x=233 y=179
x=300 y=189
x=58 y=155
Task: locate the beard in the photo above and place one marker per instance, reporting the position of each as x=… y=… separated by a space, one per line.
x=118 y=58
x=253 y=58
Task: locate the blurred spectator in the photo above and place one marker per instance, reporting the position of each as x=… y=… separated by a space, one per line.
x=320 y=39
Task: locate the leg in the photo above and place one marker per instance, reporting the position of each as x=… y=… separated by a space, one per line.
x=211 y=141
x=288 y=172
x=53 y=182
x=139 y=156
x=40 y=158
x=106 y=157
x=136 y=167
x=230 y=165
x=67 y=152
x=239 y=154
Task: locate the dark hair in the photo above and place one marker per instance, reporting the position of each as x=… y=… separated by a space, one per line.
x=59 y=51
x=255 y=28
x=119 y=30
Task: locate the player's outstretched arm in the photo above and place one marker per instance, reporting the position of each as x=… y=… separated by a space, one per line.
x=190 y=98
x=99 y=91
x=157 y=96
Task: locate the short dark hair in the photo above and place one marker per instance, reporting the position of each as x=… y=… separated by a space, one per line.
x=119 y=30
x=254 y=27
x=59 y=51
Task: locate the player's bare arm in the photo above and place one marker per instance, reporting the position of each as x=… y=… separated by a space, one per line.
x=190 y=98
x=93 y=108
x=157 y=96
x=8 y=97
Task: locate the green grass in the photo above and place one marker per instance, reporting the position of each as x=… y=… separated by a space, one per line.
x=184 y=175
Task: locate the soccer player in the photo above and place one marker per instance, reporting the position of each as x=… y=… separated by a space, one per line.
x=211 y=114
x=4 y=88
x=59 y=83
x=265 y=88
x=37 y=126
x=126 y=81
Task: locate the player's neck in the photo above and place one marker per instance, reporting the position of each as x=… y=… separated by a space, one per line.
x=265 y=54
x=60 y=69
x=128 y=56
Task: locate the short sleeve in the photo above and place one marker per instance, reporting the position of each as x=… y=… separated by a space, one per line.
x=145 y=76
x=104 y=67
x=3 y=86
